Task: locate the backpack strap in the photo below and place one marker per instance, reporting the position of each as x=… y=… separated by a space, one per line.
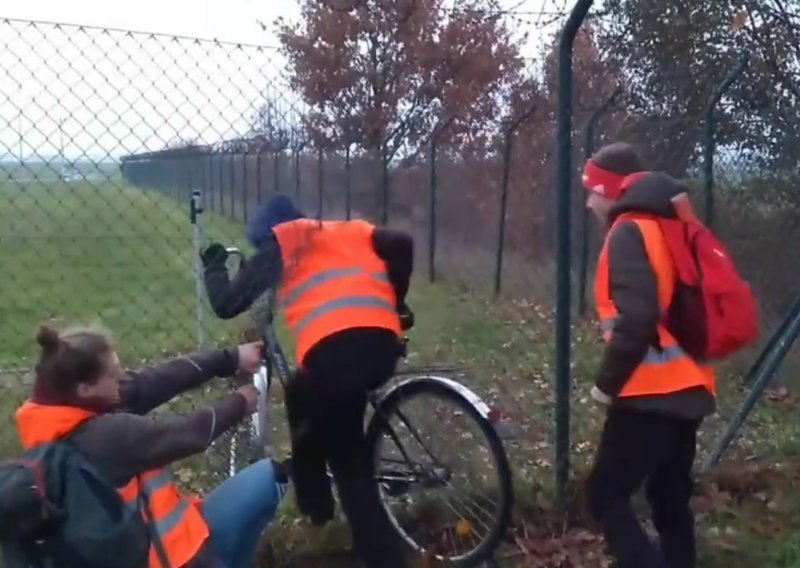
x=144 y=505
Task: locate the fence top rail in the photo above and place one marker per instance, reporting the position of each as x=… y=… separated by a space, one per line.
x=134 y=32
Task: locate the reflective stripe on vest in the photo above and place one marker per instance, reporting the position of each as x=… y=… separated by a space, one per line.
x=324 y=277
x=340 y=303
x=168 y=522
x=178 y=524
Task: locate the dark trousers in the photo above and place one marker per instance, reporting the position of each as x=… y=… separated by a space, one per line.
x=326 y=403
x=658 y=450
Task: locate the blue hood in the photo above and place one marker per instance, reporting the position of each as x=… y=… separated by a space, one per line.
x=279 y=209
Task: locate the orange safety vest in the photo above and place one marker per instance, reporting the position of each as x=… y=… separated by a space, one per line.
x=178 y=521
x=332 y=281
x=665 y=370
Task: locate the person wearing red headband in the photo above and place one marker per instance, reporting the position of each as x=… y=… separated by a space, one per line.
x=656 y=395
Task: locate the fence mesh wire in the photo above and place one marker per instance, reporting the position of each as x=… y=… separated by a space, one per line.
x=107 y=133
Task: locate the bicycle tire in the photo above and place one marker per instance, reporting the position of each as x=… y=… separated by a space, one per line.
x=429 y=385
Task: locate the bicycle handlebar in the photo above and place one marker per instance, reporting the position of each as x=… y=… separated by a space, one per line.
x=233 y=251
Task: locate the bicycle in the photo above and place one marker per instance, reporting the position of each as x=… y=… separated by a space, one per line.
x=400 y=477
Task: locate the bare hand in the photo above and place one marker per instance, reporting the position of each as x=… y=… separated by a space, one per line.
x=250 y=357
x=250 y=394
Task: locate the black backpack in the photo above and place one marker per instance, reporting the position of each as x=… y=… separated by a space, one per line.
x=57 y=510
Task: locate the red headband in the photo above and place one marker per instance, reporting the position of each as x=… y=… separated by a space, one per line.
x=605 y=182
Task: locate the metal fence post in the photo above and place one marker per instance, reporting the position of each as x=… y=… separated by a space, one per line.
x=776 y=336
x=232 y=178
x=221 y=185
x=564 y=244
x=259 y=174
x=276 y=171
x=320 y=181
x=198 y=242
x=710 y=138
x=348 y=182
x=583 y=267
x=384 y=184
x=501 y=229
x=245 y=192
x=297 y=186
x=434 y=188
x=770 y=364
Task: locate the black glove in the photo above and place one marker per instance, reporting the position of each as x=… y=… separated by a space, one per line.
x=214 y=254
x=406 y=317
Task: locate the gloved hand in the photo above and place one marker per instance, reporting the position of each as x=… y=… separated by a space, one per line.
x=406 y=317
x=214 y=254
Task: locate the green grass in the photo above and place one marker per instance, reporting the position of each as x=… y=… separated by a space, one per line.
x=103 y=254
x=123 y=257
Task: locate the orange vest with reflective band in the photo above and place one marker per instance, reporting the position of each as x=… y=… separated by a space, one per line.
x=178 y=521
x=332 y=281
x=669 y=369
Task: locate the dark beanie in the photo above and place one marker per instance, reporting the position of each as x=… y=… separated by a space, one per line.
x=279 y=209
x=620 y=158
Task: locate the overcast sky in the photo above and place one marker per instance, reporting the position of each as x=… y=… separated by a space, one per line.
x=114 y=93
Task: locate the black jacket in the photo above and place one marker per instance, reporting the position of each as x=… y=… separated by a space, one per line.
x=634 y=291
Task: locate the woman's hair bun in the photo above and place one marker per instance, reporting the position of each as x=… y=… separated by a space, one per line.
x=47 y=338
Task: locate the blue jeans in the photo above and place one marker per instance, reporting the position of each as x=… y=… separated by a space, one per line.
x=239 y=509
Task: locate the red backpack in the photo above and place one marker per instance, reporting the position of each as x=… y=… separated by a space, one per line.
x=713 y=313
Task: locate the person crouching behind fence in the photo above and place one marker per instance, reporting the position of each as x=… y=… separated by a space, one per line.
x=81 y=392
x=343 y=286
x=656 y=395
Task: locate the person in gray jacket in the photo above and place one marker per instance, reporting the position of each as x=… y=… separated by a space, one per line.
x=650 y=436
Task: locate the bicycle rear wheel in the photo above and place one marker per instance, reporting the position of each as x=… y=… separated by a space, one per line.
x=430 y=437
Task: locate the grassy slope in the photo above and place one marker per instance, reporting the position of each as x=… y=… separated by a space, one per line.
x=123 y=257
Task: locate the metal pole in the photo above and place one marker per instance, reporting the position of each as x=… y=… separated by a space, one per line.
x=583 y=268
x=772 y=342
x=432 y=214
x=348 y=182
x=232 y=186
x=259 y=182
x=501 y=230
x=385 y=185
x=245 y=192
x=765 y=375
x=710 y=140
x=434 y=189
x=198 y=242
x=221 y=185
x=276 y=172
x=564 y=244
x=320 y=182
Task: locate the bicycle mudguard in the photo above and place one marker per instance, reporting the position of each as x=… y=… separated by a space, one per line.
x=492 y=415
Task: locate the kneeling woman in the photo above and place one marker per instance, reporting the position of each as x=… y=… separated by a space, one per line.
x=81 y=391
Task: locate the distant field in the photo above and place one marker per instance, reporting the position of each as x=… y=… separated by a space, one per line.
x=102 y=253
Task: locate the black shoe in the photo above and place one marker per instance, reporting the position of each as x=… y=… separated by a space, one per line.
x=283 y=470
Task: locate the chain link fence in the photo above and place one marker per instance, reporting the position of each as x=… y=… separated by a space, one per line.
x=84 y=237
x=108 y=135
